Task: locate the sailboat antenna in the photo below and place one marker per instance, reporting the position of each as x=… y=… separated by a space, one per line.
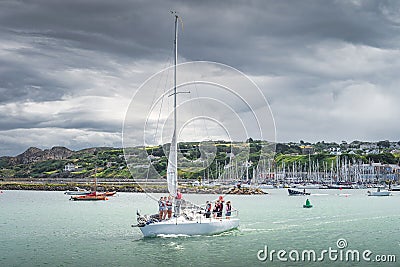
x=175 y=13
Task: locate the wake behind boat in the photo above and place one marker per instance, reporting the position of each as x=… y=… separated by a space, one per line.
x=188 y=219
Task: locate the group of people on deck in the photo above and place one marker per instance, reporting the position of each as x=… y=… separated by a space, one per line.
x=218 y=208
x=165 y=208
x=165 y=205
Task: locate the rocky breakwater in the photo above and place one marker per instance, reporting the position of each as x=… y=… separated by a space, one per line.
x=245 y=191
x=134 y=188
x=34 y=186
x=220 y=190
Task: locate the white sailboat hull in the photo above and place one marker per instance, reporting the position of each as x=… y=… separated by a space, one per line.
x=266 y=186
x=396 y=188
x=308 y=186
x=181 y=226
x=379 y=194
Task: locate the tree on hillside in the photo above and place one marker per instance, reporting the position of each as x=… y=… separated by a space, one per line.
x=385 y=144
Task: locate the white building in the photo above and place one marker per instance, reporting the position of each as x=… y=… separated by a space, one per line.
x=70 y=167
x=368 y=146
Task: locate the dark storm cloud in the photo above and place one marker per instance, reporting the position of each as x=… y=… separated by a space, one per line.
x=19 y=82
x=245 y=34
x=316 y=57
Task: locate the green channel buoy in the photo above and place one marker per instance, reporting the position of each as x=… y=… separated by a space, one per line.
x=308 y=204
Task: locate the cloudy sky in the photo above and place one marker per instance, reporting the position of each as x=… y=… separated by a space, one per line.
x=68 y=69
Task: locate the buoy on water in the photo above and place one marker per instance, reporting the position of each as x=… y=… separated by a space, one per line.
x=308 y=204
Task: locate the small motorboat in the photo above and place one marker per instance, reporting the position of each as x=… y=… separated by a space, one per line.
x=340 y=186
x=293 y=192
x=379 y=193
x=78 y=192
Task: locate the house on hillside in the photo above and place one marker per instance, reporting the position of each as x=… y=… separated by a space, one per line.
x=368 y=146
x=111 y=163
x=307 y=149
x=70 y=167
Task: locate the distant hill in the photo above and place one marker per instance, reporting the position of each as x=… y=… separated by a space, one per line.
x=34 y=154
x=108 y=162
x=38 y=163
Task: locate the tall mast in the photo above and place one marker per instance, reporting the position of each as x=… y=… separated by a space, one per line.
x=175 y=93
x=172 y=168
x=175 y=62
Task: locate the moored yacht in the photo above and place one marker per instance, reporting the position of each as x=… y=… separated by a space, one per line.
x=379 y=193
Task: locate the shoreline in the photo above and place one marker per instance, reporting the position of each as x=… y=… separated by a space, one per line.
x=126 y=188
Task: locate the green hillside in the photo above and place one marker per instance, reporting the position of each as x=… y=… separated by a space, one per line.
x=217 y=156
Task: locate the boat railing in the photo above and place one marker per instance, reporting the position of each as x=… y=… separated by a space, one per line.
x=199 y=214
x=213 y=216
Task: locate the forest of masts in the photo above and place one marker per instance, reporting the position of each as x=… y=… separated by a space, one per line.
x=267 y=171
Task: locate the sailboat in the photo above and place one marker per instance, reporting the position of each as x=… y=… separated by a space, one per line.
x=189 y=219
x=93 y=196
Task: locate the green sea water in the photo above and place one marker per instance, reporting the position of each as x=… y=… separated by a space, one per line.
x=46 y=229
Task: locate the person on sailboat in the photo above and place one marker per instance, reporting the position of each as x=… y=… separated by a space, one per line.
x=169 y=207
x=228 y=210
x=208 y=209
x=220 y=208
x=178 y=202
x=216 y=208
x=165 y=210
x=161 y=208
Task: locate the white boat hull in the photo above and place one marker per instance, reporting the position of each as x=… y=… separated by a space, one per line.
x=396 y=188
x=266 y=186
x=181 y=226
x=379 y=194
x=309 y=186
x=77 y=193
